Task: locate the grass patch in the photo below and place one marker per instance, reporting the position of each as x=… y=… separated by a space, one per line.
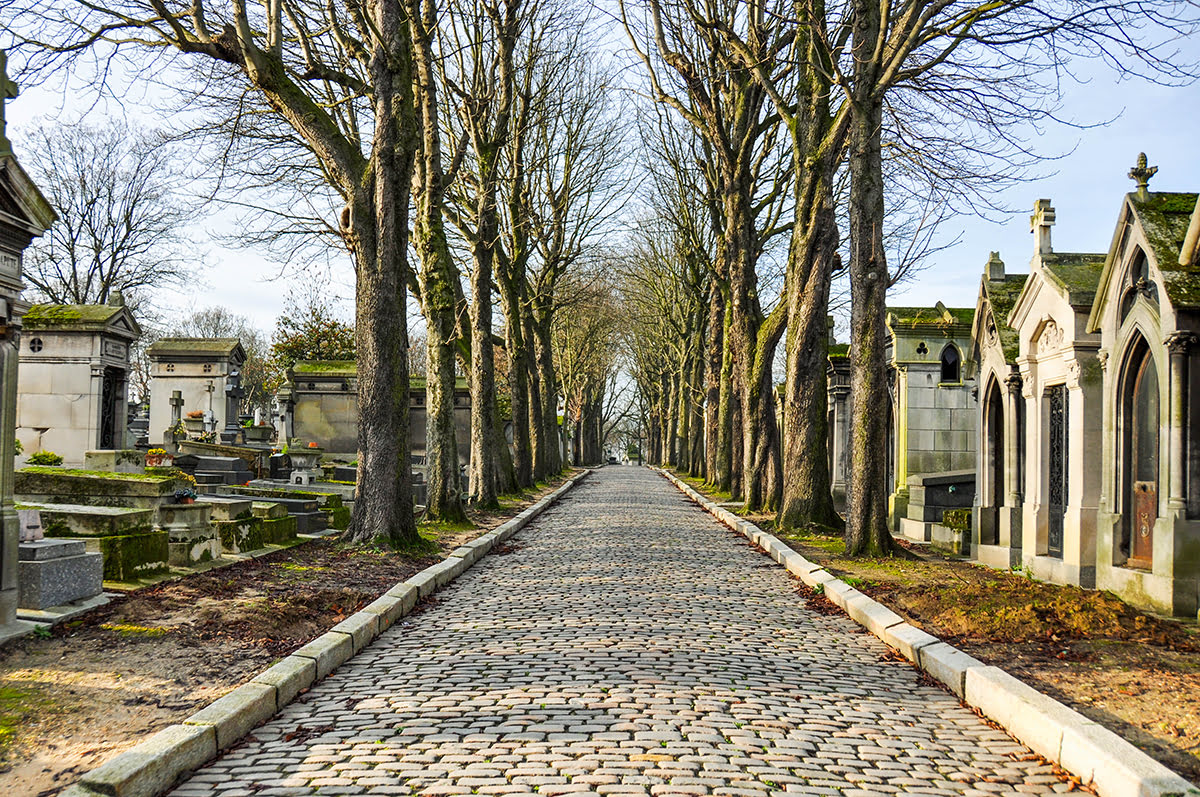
x=136 y=631
x=16 y=706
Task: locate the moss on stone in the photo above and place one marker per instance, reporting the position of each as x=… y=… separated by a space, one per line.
x=130 y=556
x=339 y=517
x=48 y=316
x=1002 y=296
x=957 y=519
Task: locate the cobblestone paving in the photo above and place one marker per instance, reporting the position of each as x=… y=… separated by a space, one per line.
x=629 y=645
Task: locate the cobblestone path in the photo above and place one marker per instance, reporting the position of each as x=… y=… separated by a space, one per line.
x=628 y=645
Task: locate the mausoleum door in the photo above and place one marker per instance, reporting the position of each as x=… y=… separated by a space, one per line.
x=995 y=459
x=110 y=399
x=1143 y=468
x=1058 y=441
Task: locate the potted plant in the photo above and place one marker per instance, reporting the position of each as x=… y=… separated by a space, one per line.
x=194 y=421
x=159 y=458
x=185 y=496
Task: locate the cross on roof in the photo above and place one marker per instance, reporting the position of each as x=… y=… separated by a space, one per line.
x=8 y=91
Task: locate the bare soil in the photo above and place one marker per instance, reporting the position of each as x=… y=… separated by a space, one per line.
x=105 y=681
x=1132 y=672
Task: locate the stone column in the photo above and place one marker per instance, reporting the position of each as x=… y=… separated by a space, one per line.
x=8 y=514
x=1178 y=345
x=1012 y=441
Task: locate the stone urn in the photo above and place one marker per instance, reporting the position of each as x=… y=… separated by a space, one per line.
x=306 y=464
x=258 y=434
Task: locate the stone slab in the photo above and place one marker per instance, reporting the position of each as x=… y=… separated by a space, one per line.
x=153 y=766
x=840 y=593
x=44 y=583
x=909 y=640
x=1115 y=768
x=424 y=582
x=872 y=615
x=49 y=548
x=948 y=664
x=237 y=713
x=407 y=594
x=388 y=608
x=225 y=508
x=289 y=677
x=361 y=626
x=328 y=651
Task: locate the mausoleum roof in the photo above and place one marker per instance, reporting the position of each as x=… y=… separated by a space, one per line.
x=81 y=317
x=1164 y=217
x=938 y=316
x=196 y=347
x=1002 y=296
x=343 y=368
x=1077 y=273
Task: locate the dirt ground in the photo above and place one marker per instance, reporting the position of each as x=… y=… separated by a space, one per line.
x=1134 y=673
x=99 y=684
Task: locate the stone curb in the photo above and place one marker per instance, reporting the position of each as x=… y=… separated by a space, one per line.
x=1085 y=749
x=154 y=766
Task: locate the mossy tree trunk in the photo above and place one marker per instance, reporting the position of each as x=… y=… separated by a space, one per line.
x=867 y=532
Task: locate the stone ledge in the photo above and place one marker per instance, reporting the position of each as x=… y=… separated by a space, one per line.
x=362 y=628
x=1090 y=752
x=289 y=677
x=237 y=713
x=327 y=651
x=153 y=766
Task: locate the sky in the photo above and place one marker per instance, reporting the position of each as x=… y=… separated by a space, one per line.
x=1085 y=184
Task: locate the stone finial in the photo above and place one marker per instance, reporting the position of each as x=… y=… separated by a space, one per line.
x=116 y=299
x=1141 y=174
x=1040 y=223
x=995 y=267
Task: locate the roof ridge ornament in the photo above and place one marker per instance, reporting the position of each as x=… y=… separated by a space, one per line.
x=1141 y=174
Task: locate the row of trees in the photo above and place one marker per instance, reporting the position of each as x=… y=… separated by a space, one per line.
x=804 y=125
x=475 y=135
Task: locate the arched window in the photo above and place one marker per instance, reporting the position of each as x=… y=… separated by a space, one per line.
x=951 y=364
x=1141 y=419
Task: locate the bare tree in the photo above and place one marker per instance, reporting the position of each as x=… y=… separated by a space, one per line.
x=261 y=375
x=122 y=217
x=316 y=68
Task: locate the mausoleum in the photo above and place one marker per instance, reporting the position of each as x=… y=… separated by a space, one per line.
x=72 y=383
x=203 y=370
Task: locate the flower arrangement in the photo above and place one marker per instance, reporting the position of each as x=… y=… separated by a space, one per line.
x=46 y=458
x=159 y=458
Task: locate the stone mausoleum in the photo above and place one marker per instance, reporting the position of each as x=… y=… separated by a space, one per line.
x=72 y=384
x=1089 y=468
x=203 y=370
x=933 y=410
x=323 y=401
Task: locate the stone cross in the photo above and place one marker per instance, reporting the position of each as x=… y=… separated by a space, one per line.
x=8 y=91
x=1040 y=223
x=176 y=402
x=1141 y=175
x=234 y=393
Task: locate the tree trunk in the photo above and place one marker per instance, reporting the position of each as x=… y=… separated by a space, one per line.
x=713 y=373
x=483 y=479
x=537 y=428
x=867 y=532
x=549 y=393
x=518 y=378
x=439 y=280
x=726 y=414
x=376 y=228
x=807 y=491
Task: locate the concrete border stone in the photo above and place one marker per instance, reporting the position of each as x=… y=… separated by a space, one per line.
x=235 y=714
x=152 y=766
x=289 y=676
x=1090 y=752
x=155 y=765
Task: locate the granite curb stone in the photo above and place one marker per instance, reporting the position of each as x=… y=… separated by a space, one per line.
x=153 y=767
x=1090 y=752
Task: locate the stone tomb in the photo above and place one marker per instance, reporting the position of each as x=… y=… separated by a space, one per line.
x=932 y=409
x=323 y=402
x=72 y=383
x=203 y=371
x=54 y=573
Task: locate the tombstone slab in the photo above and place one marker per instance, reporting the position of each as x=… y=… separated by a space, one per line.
x=55 y=572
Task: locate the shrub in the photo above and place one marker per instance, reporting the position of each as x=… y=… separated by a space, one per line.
x=47 y=458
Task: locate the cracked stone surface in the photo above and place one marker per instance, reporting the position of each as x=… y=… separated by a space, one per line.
x=629 y=645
